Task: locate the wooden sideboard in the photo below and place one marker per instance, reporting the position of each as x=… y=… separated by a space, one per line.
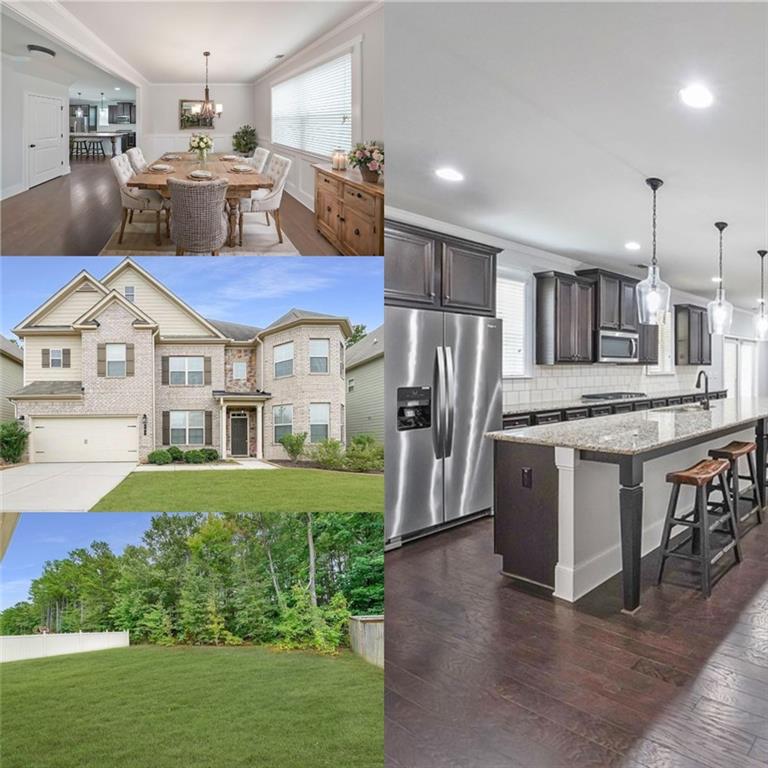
x=349 y=212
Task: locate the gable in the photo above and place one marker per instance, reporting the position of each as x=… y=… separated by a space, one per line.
x=70 y=307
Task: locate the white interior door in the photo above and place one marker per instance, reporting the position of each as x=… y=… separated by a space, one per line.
x=45 y=138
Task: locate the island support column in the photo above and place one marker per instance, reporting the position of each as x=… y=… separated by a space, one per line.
x=631 y=513
x=761 y=437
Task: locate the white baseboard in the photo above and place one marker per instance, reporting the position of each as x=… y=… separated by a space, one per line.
x=11 y=191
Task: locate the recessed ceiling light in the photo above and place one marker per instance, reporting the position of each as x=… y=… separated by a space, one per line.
x=697 y=96
x=449 y=174
x=116 y=88
x=716 y=279
x=632 y=246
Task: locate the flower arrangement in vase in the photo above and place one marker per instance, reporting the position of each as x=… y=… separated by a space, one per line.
x=201 y=144
x=369 y=158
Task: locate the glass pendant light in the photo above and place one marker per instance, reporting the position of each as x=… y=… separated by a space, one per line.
x=79 y=110
x=720 y=310
x=761 y=317
x=652 y=293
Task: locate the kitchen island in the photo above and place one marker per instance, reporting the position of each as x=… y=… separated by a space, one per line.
x=559 y=520
x=113 y=136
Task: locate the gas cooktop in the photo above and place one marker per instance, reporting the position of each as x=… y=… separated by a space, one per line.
x=614 y=396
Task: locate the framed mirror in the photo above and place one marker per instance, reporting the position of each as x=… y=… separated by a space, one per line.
x=189 y=115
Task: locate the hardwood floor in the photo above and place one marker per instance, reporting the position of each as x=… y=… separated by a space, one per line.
x=483 y=673
x=75 y=215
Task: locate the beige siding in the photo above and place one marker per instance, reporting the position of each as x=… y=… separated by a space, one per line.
x=11 y=380
x=171 y=318
x=33 y=358
x=365 y=405
x=70 y=308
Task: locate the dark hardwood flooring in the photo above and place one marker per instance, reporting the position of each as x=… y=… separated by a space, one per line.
x=483 y=673
x=75 y=215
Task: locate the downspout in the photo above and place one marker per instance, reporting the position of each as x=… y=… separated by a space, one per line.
x=260 y=437
x=154 y=388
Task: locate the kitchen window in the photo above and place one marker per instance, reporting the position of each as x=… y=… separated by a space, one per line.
x=130 y=293
x=116 y=361
x=282 y=418
x=187 y=428
x=666 y=364
x=514 y=306
x=283 y=360
x=186 y=371
x=56 y=358
x=319 y=350
x=319 y=419
x=239 y=370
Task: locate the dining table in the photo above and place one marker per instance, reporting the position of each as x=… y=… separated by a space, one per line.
x=240 y=185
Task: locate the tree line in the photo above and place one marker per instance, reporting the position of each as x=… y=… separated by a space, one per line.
x=218 y=578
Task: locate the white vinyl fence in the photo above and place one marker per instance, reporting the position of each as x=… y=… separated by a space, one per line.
x=18 y=647
x=366 y=638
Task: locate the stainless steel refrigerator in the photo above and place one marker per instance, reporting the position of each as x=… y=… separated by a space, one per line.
x=443 y=385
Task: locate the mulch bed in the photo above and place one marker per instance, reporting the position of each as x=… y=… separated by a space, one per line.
x=288 y=464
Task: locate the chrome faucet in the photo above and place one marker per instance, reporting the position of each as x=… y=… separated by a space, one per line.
x=702 y=372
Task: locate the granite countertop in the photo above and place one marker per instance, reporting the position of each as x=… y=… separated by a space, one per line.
x=641 y=431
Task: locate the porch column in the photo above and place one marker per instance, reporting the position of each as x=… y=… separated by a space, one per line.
x=223 y=430
x=259 y=430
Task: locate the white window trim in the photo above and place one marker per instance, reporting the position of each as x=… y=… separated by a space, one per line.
x=275 y=424
x=326 y=424
x=665 y=368
x=124 y=361
x=292 y=359
x=132 y=288
x=186 y=428
x=351 y=384
x=186 y=359
x=327 y=357
x=60 y=358
x=526 y=277
x=243 y=363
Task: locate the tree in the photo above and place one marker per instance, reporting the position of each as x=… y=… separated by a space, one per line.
x=19 y=619
x=358 y=334
x=312 y=562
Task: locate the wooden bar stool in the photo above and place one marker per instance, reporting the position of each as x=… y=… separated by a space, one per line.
x=732 y=453
x=701 y=476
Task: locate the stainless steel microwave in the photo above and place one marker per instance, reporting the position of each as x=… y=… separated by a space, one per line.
x=618 y=347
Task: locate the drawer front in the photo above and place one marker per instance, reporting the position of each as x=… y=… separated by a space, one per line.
x=642 y=405
x=660 y=403
x=551 y=417
x=327 y=183
x=358 y=233
x=623 y=408
x=674 y=401
x=516 y=422
x=600 y=410
x=688 y=399
x=360 y=200
x=575 y=414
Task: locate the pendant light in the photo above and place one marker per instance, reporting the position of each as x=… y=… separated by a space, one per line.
x=761 y=318
x=79 y=110
x=652 y=293
x=209 y=109
x=720 y=310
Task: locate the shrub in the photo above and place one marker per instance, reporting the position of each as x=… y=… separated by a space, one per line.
x=294 y=444
x=160 y=457
x=210 y=454
x=13 y=440
x=244 y=140
x=303 y=626
x=194 y=457
x=364 y=454
x=230 y=639
x=176 y=453
x=329 y=454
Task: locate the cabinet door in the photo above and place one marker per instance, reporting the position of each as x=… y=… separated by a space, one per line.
x=706 y=340
x=582 y=322
x=111 y=114
x=566 y=309
x=629 y=318
x=357 y=232
x=133 y=113
x=410 y=269
x=327 y=214
x=469 y=279
x=694 y=340
x=649 y=344
x=610 y=300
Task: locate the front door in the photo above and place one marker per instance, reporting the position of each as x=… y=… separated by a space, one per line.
x=45 y=138
x=239 y=427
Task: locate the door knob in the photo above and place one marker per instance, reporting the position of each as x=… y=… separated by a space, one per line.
x=31 y=146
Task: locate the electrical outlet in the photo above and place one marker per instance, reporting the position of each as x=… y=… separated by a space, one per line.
x=527 y=477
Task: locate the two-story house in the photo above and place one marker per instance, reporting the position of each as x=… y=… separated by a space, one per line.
x=118 y=367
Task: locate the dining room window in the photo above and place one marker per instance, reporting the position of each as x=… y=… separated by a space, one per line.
x=319 y=419
x=283 y=360
x=186 y=371
x=282 y=419
x=319 y=350
x=239 y=370
x=116 y=360
x=187 y=427
x=312 y=110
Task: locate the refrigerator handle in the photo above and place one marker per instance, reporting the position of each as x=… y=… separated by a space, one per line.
x=450 y=389
x=438 y=402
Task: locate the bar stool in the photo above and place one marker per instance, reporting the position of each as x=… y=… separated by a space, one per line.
x=701 y=476
x=732 y=453
x=80 y=148
x=96 y=148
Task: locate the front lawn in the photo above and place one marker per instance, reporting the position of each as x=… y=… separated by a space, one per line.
x=195 y=707
x=276 y=490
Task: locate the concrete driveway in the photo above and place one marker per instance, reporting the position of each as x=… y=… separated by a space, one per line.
x=64 y=487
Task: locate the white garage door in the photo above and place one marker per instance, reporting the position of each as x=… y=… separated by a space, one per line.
x=81 y=439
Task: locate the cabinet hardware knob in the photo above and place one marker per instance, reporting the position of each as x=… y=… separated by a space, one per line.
x=328 y=208
x=342 y=218
x=359 y=195
x=357 y=231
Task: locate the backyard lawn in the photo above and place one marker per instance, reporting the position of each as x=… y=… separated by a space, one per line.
x=277 y=490
x=197 y=707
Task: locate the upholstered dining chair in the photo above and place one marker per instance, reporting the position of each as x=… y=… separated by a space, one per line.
x=259 y=159
x=199 y=221
x=138 y=163
x=268 y=200
x=137 y=199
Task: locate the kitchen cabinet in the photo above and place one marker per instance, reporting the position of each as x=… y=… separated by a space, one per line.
x=429 y=270
x=615 y=300
x=693 y=342
x=122 y=112
x=649 y=344
x=564 y=319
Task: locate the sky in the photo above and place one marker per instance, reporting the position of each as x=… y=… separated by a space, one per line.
x=52 y=536
x=253 y=290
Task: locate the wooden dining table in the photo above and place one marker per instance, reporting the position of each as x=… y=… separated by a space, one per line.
x=240 y=184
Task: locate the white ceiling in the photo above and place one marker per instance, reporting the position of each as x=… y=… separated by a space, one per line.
x=556 y=113
x=165 y=40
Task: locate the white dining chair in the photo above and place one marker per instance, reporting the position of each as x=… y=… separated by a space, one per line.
x=136 y=157
x=259 y=159
x=133 y=199
x=268 y=200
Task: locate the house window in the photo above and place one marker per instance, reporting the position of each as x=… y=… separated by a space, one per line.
x=350 y=385
x=666 y=364
x=319 y=418
x=341 y=360
x=319 y=349
x=514 y=306
x=283 y=360
x=56 y=358
x=282 y=418
x=312 y=111
x=186 y=371
x=116 y=360
x=239 y=370
x=130 y=293
x=187 y=428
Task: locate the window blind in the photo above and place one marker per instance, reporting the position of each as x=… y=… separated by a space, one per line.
x=313 y=111
x=511 y=308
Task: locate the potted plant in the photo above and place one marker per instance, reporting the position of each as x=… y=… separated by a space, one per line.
x=369 y=158
x=201 y=144
x=244 y=141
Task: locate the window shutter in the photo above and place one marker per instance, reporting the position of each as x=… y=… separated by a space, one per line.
x=46 y=358
x=511 y=309
x=66 y=358
x=166 y=427
x=208 y=425
x=129 y=360
x=165 y=368
x=206 y=370
x=101 y=360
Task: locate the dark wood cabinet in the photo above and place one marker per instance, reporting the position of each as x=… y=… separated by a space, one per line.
x=649 y=344
x=126 y=110
x=433 y=271
x=615 y=300
x=564 y=319
x=630 y=320
x=693 y=343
